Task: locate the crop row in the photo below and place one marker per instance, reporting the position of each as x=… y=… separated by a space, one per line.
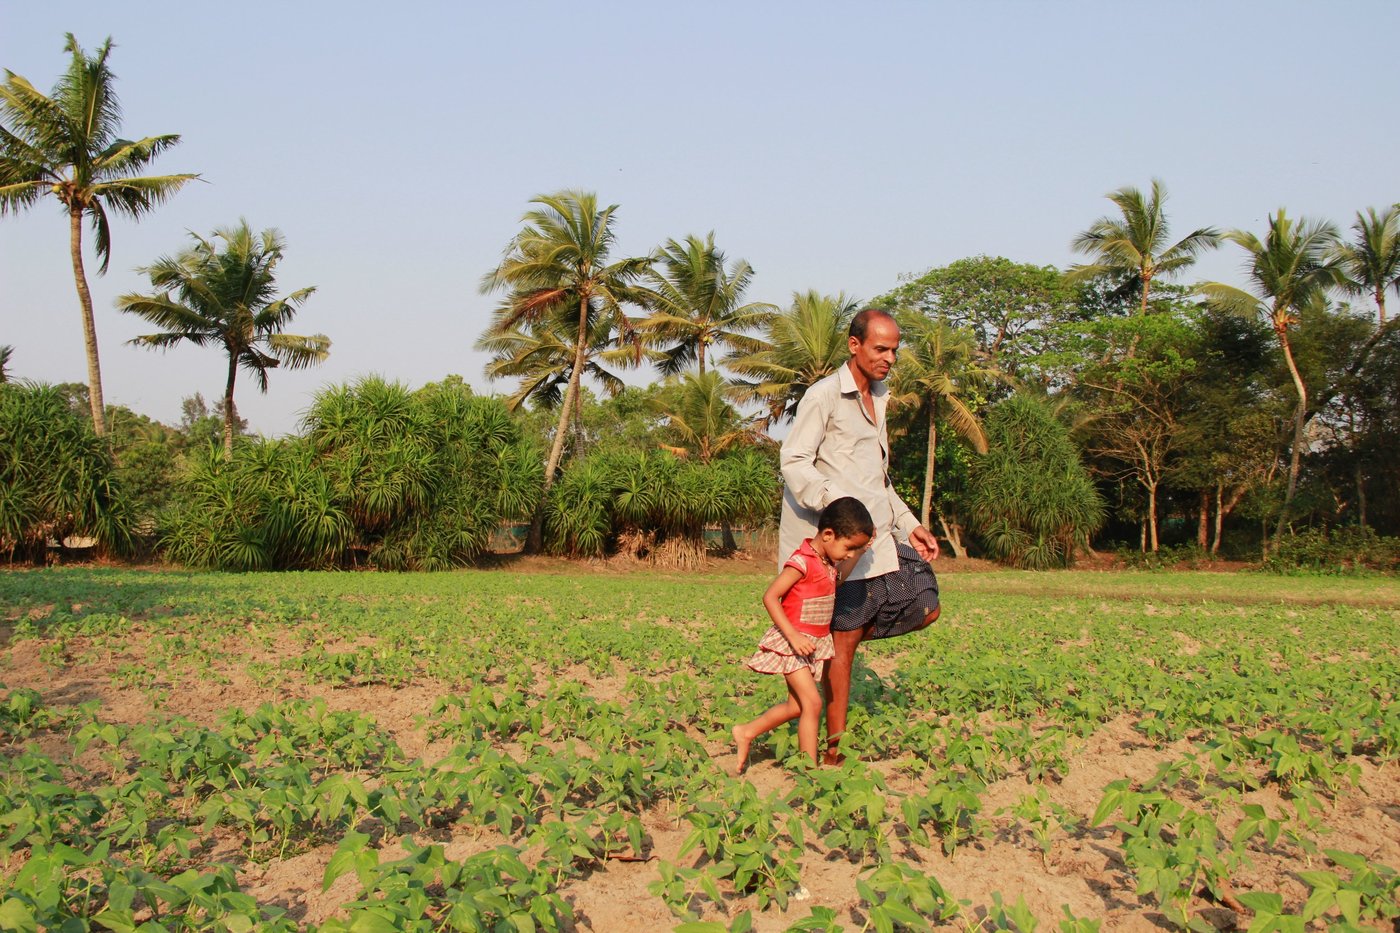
x=290 y=776
x=555 y=776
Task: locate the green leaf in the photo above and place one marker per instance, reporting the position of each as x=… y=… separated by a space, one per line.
x=1318 y=904
x=904 y=914
x=882 y=920
x=373 y=920
x=1321 y=880
x=1349 y=901
x=347 y=856
x=1347 y=859
x=16 y=915
x=239 y=923
x=1262 y=900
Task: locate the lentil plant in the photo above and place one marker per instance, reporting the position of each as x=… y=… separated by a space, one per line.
x=1190 y=759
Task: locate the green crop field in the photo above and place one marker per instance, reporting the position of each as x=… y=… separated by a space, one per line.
x=498 y=749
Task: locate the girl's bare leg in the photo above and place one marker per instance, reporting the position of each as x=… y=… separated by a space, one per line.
x=768 y=721
x=802 y=687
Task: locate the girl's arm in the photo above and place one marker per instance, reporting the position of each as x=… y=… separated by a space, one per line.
x=773 y=602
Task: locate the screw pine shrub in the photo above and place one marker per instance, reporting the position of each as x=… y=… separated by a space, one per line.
x=56 y=475
x=1033 y=502
x=654 y=505
x=386 y=476
x=266 y=507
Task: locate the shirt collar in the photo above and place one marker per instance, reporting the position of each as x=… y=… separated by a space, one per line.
x=848 y=382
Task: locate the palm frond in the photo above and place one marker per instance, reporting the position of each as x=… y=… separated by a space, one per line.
x=1231 y=299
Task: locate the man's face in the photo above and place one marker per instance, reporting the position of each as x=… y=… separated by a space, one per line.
x=874 y=355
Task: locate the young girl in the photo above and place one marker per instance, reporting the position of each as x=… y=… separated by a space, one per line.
x=800 y=602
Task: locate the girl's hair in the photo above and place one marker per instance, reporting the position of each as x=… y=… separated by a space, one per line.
x=846 y=517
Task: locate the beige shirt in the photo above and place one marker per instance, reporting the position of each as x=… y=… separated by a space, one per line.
x=835 y=450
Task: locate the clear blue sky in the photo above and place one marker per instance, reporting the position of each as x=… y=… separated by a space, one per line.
x=833 y=146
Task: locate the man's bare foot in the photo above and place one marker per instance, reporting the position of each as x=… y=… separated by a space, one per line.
x=741 y=744
x=833 y=758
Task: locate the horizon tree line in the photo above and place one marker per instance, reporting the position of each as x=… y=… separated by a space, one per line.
x=571 y=309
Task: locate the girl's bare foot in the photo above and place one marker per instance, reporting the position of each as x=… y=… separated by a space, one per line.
x=741 y=744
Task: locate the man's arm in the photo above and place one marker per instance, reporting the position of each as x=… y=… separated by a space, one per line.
x=907 y=526
x=798 y=459
x=924 y=541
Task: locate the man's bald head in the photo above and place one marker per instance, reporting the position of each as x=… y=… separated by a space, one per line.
x=860 y=324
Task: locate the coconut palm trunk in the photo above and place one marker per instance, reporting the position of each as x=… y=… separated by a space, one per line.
x=230 y=414
x=927 y=508
x=1142 y=315
x=75 y=240
x=534 y=542
x=1299 y=423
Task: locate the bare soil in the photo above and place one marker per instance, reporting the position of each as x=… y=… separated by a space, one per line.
x=1083 y=870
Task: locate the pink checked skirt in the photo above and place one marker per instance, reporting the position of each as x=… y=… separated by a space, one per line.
x=774 y=654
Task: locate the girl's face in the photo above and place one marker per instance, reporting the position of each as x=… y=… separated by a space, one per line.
x=837 y=549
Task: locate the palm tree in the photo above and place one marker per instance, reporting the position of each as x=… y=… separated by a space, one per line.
x=1372 y=261
x=1291 y=270
x=698 y=304
x=6 y=352
x=936 y=377
x=543 y=357
x=1132 y=250
x=558 y=266
x=226 y=296
x=66 y=145
x=700 y=415
x=805 y=343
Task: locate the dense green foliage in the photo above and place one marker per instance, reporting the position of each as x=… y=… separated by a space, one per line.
x=384 y=476
x=57 y=478
x=1344 y=550
x=1007 y=306
x=571 y=727
x=1033 y=502
x=653 y=504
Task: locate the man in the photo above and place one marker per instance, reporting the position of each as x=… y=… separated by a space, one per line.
x=838 y=447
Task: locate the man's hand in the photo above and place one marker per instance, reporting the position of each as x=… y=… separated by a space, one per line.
x=923 y=541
